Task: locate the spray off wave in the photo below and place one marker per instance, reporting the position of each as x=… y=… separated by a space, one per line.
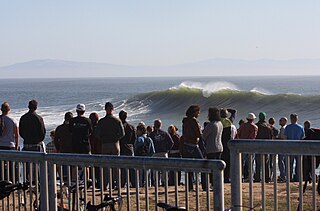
x=177 y=99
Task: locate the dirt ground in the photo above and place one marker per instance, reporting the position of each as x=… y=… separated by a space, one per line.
x=202 y=205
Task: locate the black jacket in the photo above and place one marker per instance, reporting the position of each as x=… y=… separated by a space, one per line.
x=31 y=128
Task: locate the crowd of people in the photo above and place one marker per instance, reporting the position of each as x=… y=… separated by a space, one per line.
x=114 y=135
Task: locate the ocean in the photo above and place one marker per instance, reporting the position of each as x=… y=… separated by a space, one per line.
x=167 y=98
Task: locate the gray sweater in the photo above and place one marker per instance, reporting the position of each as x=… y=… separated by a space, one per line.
x=212 y=137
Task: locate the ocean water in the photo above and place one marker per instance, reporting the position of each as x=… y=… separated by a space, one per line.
x=146 y=99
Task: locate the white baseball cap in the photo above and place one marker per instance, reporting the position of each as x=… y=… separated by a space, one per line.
x=80 y=107
x=251 y=116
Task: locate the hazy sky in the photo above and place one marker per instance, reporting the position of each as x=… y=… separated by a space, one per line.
x=158 y=32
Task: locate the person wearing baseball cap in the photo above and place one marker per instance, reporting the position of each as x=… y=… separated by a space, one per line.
x=247 y=130
x=80 y=128
x=110 y=130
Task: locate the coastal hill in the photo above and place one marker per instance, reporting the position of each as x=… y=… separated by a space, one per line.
x=51 y=68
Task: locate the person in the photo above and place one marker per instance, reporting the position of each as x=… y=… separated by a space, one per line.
x=63 y=141
x=95 y=142
x=143 y=146
x=264 y=132
x=306 y=128
x=161 y=139
x=191 y=134
x=275 y=133
x=50 y=147
x=174 y=152
x=162 y=144
x=212 y=135
x=80 y=128
x=241 y=121
x=9 y=139
x=247 y=130
x=310 y=134
x=110 y=130
x=32 y=129
x=149 y=130
x=226 y=137
x=281 y=158
x=294 y=131
x=63 y=136
x=95 y=145
x=126 y=147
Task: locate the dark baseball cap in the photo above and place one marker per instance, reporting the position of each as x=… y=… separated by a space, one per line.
x=108 y=105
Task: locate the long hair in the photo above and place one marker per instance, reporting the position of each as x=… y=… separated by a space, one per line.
x=191 y=111
x=214 y=114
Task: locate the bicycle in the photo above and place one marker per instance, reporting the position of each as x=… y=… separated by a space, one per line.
x=115 y=204
x=7 y=187
x=169 y=207
x=246 y=207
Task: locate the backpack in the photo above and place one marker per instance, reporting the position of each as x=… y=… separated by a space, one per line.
x=1 y=126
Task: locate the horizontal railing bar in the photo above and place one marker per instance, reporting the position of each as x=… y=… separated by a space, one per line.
x=137 y=162
x=284 y=147
x=115 y=161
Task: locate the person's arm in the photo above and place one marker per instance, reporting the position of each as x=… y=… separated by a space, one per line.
x=121 y=132
x=56 y=140
x=233 y=114
x=197 y=128
x=42 y=129
x=21 y=127
x=206 y=132
x=170 y=142
x=16 y=137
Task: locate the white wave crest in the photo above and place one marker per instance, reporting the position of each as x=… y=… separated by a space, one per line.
x=207 y=88
x=261 y=91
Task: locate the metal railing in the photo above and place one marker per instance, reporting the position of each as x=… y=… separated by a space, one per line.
x=271 y=148
x=46 y=174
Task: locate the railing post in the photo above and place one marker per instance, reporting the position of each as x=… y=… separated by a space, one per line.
x=218 y=189
x=43 y=184
x=236 y=179
x=52 y=186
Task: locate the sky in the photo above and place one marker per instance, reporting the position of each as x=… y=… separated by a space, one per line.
x=158 y=32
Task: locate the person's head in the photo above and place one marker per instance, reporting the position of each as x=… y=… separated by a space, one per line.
x=33 y=105
x=214 y=114
x=294 y=118
x=172 y=130
x=108 y=107
x=307 y=125
x=241 y=121
x=224 y=113
x=68 y=116
x=5 y=108
x=123 y=115
x=251 y=117
x=141 y=129
x=80 y=109
x=94 y=117
x=272 y=121
x=149 y=130
x=262 y=116
x=52 y=134
x=283 y=121
x=193 y=111
x=157 y=124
